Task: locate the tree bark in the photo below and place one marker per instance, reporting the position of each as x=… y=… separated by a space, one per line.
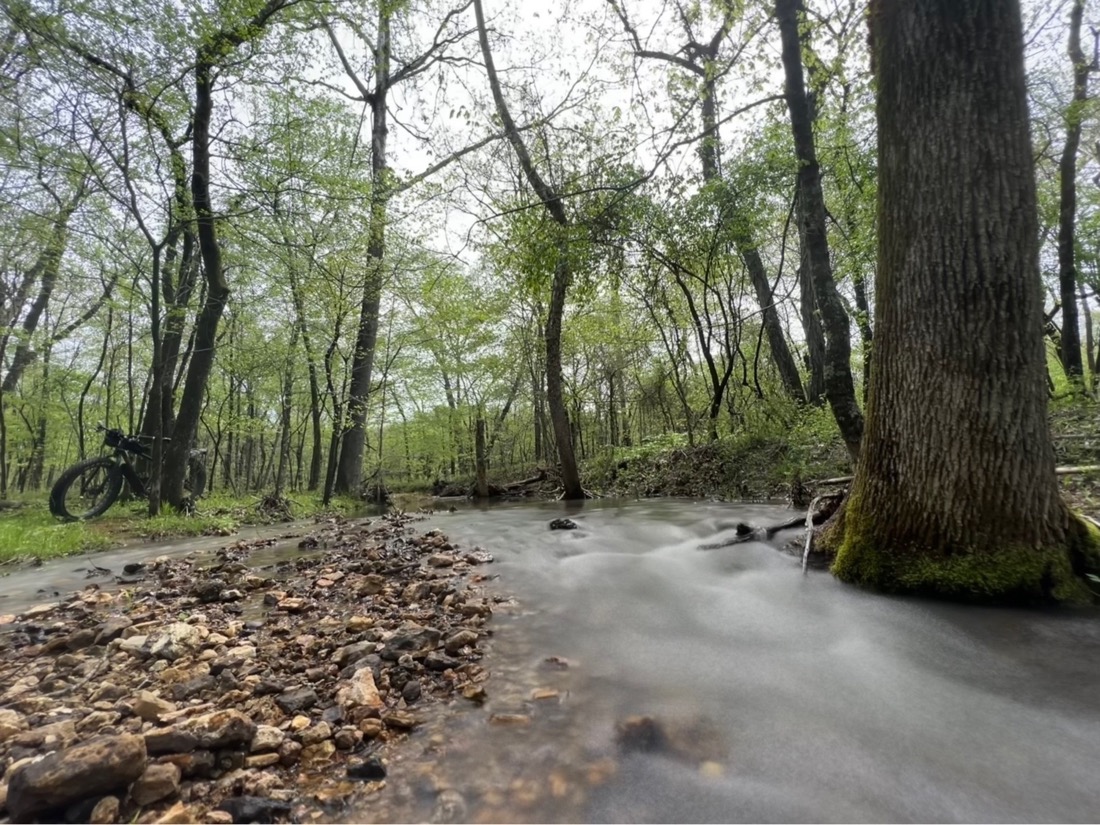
x=1067 y=213
x=955 y=492
x=839 y=386
x=480 y=460
x=563 y=275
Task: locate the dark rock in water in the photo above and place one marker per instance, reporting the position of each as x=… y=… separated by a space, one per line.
x=372 y=769
x=411 y=692
x=296 y=699
x=254 y=809
x=90 y=769
x=641 y=734
x=563 y=524
x=133 y=568
x=743 y=529
x=208 y=591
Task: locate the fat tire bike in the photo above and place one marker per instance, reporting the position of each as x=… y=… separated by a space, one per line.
x=87 y=489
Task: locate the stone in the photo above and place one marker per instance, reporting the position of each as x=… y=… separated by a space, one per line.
x=241 y=653
x=370 y=769
x=80 y=639
x=293 y=605
x=208 y=591
x=360 y=691
x=400 y=720
x=151 y=707
x=289 y=753
x=475 y=693
x=198 y=764
x=294 y=700
x=460 y=640
x=350 y=654
x=254 y=809
x=221 y=729
x=96 y=720
x=450 y=806
x=370 y=728
x=219 y=818
x=510 y=719
x=99 y=765
x=563 y=524
x=347 y=738
x=48 y=737
x=411 y=692
x=178 y=814
x=268 y=687
x=371 y=585
x=544 y=694
x=478 y=557
x=438 y=662
x=105 y=811
x=267 y=738
x=440 y=560
x=170 y=740
x=318 y=733
x=319 y=754
x=641 y=734
x=175 y=641
x=300 y=723
x=262 y=760
x=134 y=645
x=40 y=610
x=11 y=723
x=160 y=781
x=357 y=624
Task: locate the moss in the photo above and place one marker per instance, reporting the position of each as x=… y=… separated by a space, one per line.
x=1012 y=573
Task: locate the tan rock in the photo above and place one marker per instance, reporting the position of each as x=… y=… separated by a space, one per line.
x=105 y=811
x=510 y=719
x=262 y=760
x=160 y=781
x=300 y=723
x=178 y=814
x=151 y=707
x=319 y=754
x=360 y=691
x=371 y=727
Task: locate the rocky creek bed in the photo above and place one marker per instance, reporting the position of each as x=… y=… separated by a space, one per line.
x=215 y=692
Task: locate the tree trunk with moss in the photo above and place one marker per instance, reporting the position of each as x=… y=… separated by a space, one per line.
x=955 y=492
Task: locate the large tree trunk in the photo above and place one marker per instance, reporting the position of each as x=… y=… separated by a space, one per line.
x=1067 y=216
x=839 y=387
x=955 y=492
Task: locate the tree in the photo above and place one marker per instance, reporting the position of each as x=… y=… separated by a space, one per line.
x=955 y=491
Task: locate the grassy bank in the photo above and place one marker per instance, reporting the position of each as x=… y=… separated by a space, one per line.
x=29 y=531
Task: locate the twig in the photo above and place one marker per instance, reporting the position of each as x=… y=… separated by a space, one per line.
x=809 y=533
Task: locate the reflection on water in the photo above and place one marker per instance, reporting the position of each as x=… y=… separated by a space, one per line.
x=810 y=700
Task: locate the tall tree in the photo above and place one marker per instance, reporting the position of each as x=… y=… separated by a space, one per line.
x=839 y=386
x=1067 y=173
x=955 y=492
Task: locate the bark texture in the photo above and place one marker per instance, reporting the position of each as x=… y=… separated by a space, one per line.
x=955 y=493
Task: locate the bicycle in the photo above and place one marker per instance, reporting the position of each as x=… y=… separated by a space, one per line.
x=96 y=483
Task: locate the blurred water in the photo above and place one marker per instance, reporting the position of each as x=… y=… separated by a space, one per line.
x=833 y=704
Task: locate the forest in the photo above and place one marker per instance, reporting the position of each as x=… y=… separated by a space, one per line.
x=340 y=246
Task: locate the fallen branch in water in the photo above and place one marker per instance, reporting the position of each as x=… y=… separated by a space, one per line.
x=809 y=532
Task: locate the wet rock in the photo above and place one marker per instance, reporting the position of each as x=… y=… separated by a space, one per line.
x=510 y=719
x=460 y=640
x=151 y=707
x=296 y=699
x=450 y=806
x=439 y=662
x=370 y=728
x=563 y=524
x=412 y=690
x=475 y=693
x=105 y=811
x=477 y=557
x=370 y=769
x=641 y=734
x=318 y=733
x=40 y=610
x=400 y=720
x=321 y=753
x=410 y=637
x=440 y=560
x=360 y=691
x=208 y=591
x=267 y=738
x=159 y=781
x=133 y=568
x=59 y=779
x=254 y=809
x=350 y=654
x=176 y=640
x=544 y=694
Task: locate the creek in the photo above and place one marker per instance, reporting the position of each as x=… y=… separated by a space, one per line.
x=790 y=697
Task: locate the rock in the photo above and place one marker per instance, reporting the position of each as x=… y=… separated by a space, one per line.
x=478 y=557
x=176 y=640
x=641 y=733
x=318 y=733
x=108 y=692
x=357 y=624
x=334 y=715
x=411 y=692
x=151 y=707
x=170 y=740
x=80 y=639
x=160 y=781
x=219 y=818
x=544 y=694
x=400 y=720
x=370 y=769
x=105 y=811
x=198 y=764
x=439 y=662
x=450 y=806
x=370 y=728
x=48 y=737
x=96 y=720
x=293 y=605
x=440 y=560
x=475 y=693
x=347 y=738
x=289 y=753
x=208 y=591
x=232 y=595
x=410 y=637
x=40 y=610
x=350 y=654
x=267 y=687
x=460 y=640
x=296 y=699
x=300 y=723
x=11 y=723
x=240 y=653
x=178 y=814
x=254 y=809
x=96 y=766
x=221 y=729
x=510 y=719
x=262 y=760
x=563 y=524
x=371 y=585
x=360 y=691
x=314 y=756
x=134 y=645
x=267 y=738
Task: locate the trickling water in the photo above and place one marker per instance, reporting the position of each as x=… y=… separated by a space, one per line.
x=809 y=700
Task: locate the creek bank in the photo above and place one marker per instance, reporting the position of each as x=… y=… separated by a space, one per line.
x=225 y=693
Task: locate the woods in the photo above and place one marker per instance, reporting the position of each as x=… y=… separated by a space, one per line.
x=355 y=247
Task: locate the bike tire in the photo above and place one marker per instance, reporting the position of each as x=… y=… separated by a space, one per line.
x=195 y=482
x=105 y=488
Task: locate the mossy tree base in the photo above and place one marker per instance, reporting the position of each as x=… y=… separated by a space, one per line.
x=1008 y=573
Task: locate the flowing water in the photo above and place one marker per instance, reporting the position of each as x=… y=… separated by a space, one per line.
x=787 y=697
x=802 y=699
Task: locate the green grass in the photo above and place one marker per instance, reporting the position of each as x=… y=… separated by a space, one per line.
x=30 y=531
